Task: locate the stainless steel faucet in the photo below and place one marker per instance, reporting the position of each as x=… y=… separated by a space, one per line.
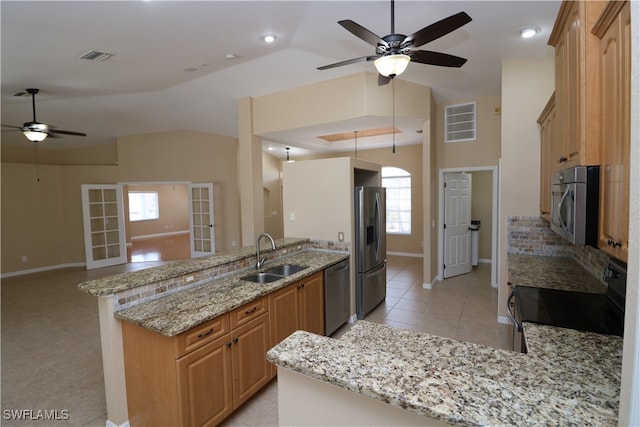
x=260 y=262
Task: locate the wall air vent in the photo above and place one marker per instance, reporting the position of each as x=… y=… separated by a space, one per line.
x=94 y=55
x=460 y=122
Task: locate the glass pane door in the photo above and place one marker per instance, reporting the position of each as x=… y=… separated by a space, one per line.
x=201 y=220
x=103 y=219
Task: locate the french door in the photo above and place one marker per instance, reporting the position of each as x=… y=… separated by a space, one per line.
x=457 y=214
x=203 y=240
x=103 y=220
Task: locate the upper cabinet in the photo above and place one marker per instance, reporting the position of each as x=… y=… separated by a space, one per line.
x=577 y=134
x=547 y=122
x=613 y=30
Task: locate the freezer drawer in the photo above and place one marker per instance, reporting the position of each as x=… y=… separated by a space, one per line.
x=371 y=289
x=337 y=301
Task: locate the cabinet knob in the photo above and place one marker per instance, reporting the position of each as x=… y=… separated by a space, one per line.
x=235 y=340
x=229 y=344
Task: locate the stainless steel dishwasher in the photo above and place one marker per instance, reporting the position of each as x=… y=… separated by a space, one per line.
x=337 y=292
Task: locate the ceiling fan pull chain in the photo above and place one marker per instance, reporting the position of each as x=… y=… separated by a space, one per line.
x=393 y=120
x=37 y=163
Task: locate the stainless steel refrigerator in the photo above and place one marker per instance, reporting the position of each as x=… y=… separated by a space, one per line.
x=370 y=248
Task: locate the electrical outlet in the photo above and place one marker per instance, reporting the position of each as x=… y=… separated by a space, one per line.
x=292 y=216
x=340 y=236
x=23 y=258
x=188 y=279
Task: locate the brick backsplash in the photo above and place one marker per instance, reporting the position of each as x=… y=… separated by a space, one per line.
x=131 y=297
x=528 y=235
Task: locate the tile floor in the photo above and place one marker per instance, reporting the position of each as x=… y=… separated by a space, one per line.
x=51 y=344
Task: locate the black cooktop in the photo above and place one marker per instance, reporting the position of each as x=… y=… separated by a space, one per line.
x=574 y=310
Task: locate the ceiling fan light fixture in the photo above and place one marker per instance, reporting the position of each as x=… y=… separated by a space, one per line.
x=34 y=135
x=392 y=65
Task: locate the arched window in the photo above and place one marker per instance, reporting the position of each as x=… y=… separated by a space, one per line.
x=398 y=184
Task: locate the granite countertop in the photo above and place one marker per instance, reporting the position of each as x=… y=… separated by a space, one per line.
x=181 y=311
x=561 y=273
x=568 y=377
x=124 y=281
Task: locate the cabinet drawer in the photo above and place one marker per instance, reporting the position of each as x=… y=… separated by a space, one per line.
x=203 y=334
x=247 y=312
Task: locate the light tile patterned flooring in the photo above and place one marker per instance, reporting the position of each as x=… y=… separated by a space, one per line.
x=51 y=340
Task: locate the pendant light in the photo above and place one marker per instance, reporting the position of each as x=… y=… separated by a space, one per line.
x=288 y=158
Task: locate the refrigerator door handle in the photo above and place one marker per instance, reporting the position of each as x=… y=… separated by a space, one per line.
x=378 y=220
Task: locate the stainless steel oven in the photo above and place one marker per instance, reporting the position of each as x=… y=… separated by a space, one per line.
x=574 y=204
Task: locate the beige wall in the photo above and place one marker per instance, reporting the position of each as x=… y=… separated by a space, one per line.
x=526 y=88
x=272 y=184
x=485 y=150
x=43 y=220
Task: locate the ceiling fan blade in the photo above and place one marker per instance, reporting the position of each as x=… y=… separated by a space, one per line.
x=438 y=29
x=65 y=132
x=437 y=58
x=12 y=127
x=348 y=61
x=362 y=33
x=382 y=80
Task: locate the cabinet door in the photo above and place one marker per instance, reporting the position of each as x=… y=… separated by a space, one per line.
x=283 y=310
x=250 y=343
x=573 y=79
x=204 y=384
x=311 y=293
x=614 y=207
x=547 y=139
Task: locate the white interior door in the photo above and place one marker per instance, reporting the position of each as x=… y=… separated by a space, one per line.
x=202 y=228
x=103 y=220
x=457 y=214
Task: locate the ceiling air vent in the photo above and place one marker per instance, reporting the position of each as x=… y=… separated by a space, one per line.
x=460 y=122
x=94 y=55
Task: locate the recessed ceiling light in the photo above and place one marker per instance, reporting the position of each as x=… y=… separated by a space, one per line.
x=269 y=38
x=529 y=31
x=230 y=56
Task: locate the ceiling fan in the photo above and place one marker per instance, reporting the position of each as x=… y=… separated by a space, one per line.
x=35 y=131
x=395 y=51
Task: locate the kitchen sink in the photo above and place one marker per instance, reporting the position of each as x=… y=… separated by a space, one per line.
x=285 y=270
x=262 y=277
x=274 y=273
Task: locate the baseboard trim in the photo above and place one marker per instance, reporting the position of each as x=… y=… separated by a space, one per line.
x=407 y=254
x=159 y=235
x=504 y=320
x=41 y=269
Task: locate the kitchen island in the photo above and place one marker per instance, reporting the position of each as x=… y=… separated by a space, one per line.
x=173 y=301
x=568 y=377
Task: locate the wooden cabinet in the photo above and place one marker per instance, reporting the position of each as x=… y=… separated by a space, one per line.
x=577 y=78
x=200 y=376
x=614 y=32
x=547 y=122
x=299 y=306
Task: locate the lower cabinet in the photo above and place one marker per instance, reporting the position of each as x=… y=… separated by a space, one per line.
x=199 y=377
x=299 y=306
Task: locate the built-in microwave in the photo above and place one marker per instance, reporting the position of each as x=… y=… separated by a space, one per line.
x=574 y=204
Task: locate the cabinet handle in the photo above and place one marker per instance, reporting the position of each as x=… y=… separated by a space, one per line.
x=251 y=311
x=204 y=334
x=235 y=340
x=563 y=159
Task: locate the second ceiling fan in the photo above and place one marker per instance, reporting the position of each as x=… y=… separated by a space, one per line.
x=395 y=51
